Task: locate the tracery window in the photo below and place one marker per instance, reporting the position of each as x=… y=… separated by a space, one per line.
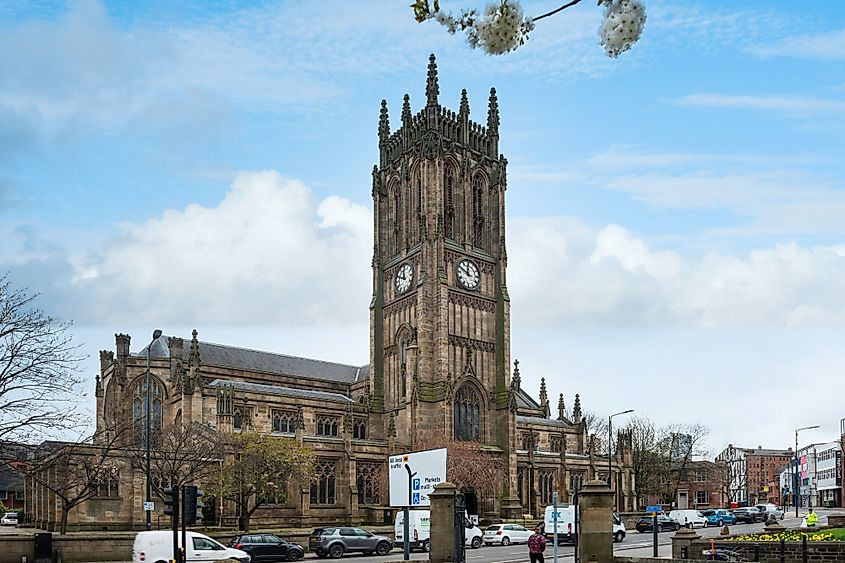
x=359 y=428
x=556 y=444
x=242 y=418
x=545 y=485
x=448 y=196
x=369 y=483
x=467 y=406
x=529 y=441
x=327 y=426
x=284 y=422
x=477 y=211
x=575 y=481
x=323 y=483
x=139 y=409
x=108 y=487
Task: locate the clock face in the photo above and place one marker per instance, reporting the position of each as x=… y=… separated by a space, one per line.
x=468 y=275
x=404 y=276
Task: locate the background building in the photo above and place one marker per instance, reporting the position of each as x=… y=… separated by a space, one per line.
x=750 y=473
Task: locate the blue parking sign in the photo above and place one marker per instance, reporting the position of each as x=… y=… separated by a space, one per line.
x=416 y=499
x=416 y=484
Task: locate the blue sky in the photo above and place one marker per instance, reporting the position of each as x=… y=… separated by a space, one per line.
x=675 y=215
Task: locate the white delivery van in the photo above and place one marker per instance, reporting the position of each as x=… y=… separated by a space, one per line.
x=419 y=526
x=566 y=524
x=157 y=547
x=689 y=518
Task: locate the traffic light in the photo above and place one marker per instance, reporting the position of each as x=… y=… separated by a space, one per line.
x=193 y=506
x=171 y=502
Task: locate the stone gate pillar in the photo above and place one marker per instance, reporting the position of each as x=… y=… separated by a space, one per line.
x=595 y=506
x=442 y=522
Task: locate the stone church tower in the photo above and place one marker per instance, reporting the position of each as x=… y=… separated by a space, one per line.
x=439 y=316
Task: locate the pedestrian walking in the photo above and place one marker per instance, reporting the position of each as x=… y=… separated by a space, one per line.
x=812 y=518
x=536 y=545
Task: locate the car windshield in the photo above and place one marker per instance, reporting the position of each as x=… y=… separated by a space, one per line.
x=11 y=515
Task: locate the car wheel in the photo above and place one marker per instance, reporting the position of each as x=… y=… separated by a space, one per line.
x=618 y=537
x=659 y=528
x=294 y=555
x=383 y=548
x=476 y=542
x=426 y=546
x=336 y=551
x=689 y=525
x=506 y=541
x=678 y=527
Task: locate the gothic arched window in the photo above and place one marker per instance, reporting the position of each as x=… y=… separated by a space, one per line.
x=477 y=211
x=139 y=408
x=546 y=486
x=448 y=203
x=467 y=414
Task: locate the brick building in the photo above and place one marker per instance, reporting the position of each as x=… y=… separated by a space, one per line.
x=750 y=472
x=440 y=358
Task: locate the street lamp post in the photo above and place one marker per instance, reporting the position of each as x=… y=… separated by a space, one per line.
x=795 y=475
x=610 y=446
x=156 y=335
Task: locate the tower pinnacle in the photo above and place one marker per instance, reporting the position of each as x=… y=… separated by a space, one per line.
x=383 y=123
x=493 y=113
x=464 y=111
x=432 y=89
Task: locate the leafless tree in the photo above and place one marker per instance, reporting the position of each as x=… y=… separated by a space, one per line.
x=39 y=385
x=184 y=454
x=78 y=471
x=679 y=445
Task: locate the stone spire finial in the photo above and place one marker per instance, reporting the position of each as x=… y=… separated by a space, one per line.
x=98 y=387
x=383 y=123
x=432 y=89
x=576 y=411
x=300 y=418
x=493 y=113
x=544 y=397
x=517 y=380
x=406 y=109
x=561 y=408
x=464 y=111
x=194 y=357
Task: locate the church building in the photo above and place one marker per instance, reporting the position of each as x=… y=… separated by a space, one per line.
x=440 y=358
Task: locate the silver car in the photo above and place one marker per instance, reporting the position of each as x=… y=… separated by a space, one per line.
x=770 y=508
x=334 y=542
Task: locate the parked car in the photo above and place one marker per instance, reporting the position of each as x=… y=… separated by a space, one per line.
x=419 y=526
x=157 y=546
x=334 y=542
x=689 y=518
x=619 y=530
x=267 y=547
x=748 y=515
x=506 y=534
x=770 y=508
x=9 y=519
x=719 y=517
x=664 y=524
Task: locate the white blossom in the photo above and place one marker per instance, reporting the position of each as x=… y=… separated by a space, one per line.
x=622 y=25
x=502 y=28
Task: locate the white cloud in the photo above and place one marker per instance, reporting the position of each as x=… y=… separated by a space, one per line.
x=560 y=275
x=826 y=45
x=792 y=105
x=266 y=254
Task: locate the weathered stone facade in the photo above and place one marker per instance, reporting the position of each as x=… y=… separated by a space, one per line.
x=439 y=347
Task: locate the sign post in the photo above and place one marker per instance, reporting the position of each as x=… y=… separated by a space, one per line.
x=554 y=521
x=412 y=478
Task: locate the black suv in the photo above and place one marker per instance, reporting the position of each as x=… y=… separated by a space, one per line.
x=267 y=547
x=748 y=515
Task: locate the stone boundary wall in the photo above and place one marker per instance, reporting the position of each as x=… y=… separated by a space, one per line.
x=617 y=559
x=769 y=552
x=117 y=546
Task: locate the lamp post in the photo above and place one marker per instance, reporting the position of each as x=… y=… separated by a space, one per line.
x=795 y=477
x=610 y=446
x=156 y=335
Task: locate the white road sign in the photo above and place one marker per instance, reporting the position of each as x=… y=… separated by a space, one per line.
x=149 y=506
x=413 y=476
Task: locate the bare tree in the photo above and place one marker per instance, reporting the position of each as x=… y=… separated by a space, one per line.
x=680 y=444
x=184 y=454
x=646 y=459
x=260 y=470
x=38 y=369
x=596 y=426
x=77 y=471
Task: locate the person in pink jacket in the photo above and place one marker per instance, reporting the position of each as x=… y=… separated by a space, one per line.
x=536 y=545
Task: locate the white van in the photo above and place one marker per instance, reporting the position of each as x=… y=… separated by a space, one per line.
x=566 y=524
x=419 y=526
x=689 y=518
x=157 y=547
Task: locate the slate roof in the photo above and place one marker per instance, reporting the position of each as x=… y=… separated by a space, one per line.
x=264 y=362
x=284 y=391
x=523 y=399
x=543 y=421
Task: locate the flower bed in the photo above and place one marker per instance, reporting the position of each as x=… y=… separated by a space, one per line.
x=828 y=535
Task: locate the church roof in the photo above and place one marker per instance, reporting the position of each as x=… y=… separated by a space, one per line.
x=543 y=421
x=266 y=362
x=523 y=399
x=278 y=390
